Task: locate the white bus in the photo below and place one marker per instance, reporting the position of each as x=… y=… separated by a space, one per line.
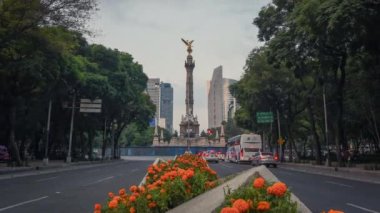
x=242 y=147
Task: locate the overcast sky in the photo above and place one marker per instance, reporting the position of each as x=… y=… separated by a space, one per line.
x=151 y=31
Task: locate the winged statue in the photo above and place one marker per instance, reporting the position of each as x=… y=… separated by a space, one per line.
x=188 y=44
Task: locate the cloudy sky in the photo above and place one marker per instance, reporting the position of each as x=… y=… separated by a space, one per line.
x=151 y=31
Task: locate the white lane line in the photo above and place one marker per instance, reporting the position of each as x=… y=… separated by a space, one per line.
x=45 y=179
x=91 y=171
x=362 y=208
x=23 y=203
x=135 y=170
x=222 y=164
x=101 y=180
x=339 y=184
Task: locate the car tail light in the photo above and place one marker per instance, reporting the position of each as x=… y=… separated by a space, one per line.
x=275 y=157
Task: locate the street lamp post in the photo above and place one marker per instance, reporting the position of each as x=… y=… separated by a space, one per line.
x=326 y=129
x=279 y=133
x=46 y=158
x=68 y=158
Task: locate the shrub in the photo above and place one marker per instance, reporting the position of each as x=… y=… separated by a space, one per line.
x=260 y=196
x=168 y=184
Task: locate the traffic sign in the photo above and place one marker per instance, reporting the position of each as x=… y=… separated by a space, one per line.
x=281 y=141
x=264 y=117
x=90 y=106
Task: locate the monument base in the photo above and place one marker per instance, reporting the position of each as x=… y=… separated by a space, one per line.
x=197 y=141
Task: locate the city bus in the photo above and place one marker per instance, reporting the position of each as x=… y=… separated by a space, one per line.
x=241 y=147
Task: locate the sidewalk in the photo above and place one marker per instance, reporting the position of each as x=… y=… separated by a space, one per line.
x=38 y=167
x=352 y=173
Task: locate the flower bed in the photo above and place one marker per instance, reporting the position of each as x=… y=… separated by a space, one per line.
x=167 y=184
x=260 y=196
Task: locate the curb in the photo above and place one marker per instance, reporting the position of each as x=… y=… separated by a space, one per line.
x=341 y=172
x=36 y=170
x=203 y=203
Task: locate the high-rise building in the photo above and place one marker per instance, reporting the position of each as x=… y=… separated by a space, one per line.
x=215 y=98
x=229 y=102
x=166 y=108
x=221 y=103
x=161 y=94
x=154 y=92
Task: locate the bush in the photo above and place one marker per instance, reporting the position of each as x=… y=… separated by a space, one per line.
x=260 y=196
x=168 y=184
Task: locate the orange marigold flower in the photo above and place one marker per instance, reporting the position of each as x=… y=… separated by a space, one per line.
x=258 y=183
x=152 y=205
x=132 y=210
x=250 y=202
x=148 y=196
x=263 y=206
x=112 y=204
x=97 y=211
x=241 y=205
x=334 y=211
x=132 y=198
x=122 y=192
x=133 y=188
x=278 y=189
x=110 y=195
x=162 y=191
x=229 y=210
x=98 y=206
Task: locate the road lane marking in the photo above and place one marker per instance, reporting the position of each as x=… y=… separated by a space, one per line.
x=23 y=203
x=91 y=171
x=362 y=208
x=222 y=164
x=339 y=184
x=101 y=180
x=45 y=179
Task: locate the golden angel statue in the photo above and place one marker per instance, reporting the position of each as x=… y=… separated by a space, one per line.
x=188 y=44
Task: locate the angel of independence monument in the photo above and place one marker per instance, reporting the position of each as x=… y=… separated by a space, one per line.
x=189 y=126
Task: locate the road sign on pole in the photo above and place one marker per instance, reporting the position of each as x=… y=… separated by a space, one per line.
x=90 y=106
x=264 y=117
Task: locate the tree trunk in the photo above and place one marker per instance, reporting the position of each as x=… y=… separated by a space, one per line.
x=340 y=108
x=376 y=130
x=90 y=141
x=317 y=143
x=12 y=136
x=104 y=145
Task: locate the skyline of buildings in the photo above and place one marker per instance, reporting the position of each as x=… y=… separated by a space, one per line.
x=221 y=104
x=161 y=95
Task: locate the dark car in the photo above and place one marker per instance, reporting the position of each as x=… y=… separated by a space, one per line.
x=263 y=158
x=4 y=154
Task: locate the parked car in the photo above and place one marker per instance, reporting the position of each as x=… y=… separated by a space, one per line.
x=263 y=158
x=4 y=154
x=211 y=156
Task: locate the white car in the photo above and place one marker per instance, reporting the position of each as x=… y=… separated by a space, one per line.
x=211 y=156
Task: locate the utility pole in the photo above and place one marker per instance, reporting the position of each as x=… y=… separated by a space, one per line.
x=68 y=158
x=279 y=132
x=46 y=158
x=328 y=163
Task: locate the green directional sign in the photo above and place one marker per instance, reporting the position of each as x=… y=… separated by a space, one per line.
x=264 y=117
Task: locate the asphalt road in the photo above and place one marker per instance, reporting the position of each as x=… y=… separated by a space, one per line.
x=68 y=191
x=78 y=190
x=319 y=192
